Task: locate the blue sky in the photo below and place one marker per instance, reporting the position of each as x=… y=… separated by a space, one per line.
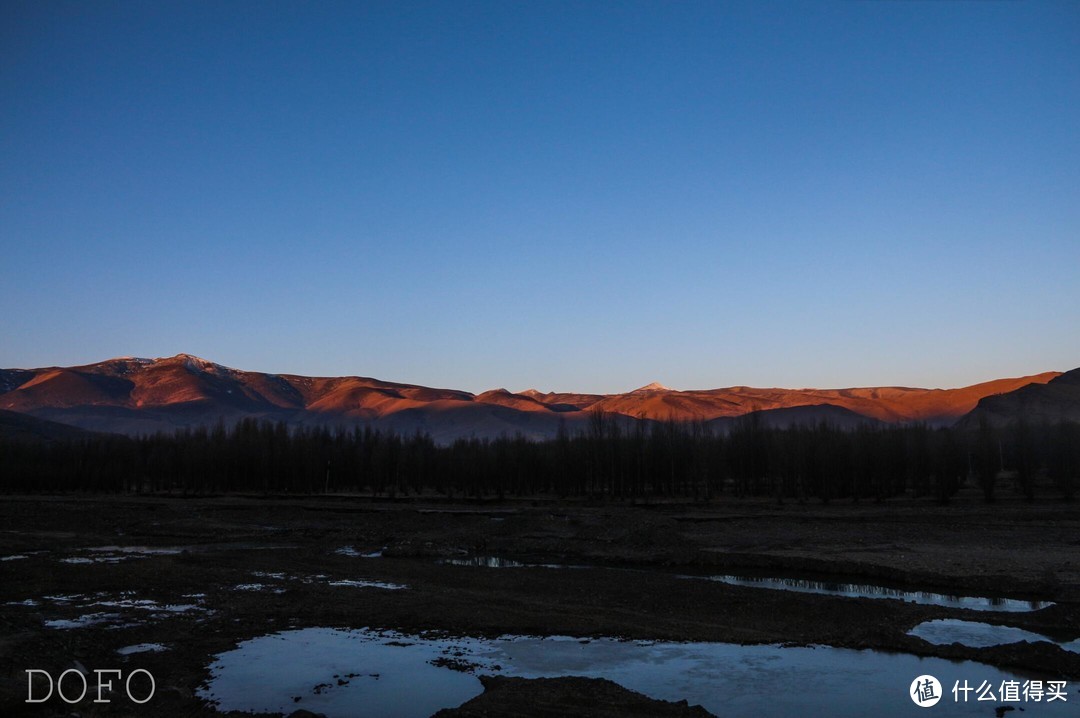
x=577 y=196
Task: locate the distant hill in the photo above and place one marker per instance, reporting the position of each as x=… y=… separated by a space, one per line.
x=1051 y=402
x=813 y=415
x=14 y=425
x=133 y=396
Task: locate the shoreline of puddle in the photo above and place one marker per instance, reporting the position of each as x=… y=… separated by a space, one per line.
x=338 y=671
x=797 y=584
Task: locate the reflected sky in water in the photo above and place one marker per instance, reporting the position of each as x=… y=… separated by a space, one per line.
x=361 y=672
x=802 y=585
x=861 y=590
x=975 y=634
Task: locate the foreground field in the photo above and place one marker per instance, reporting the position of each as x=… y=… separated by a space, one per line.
x=185 y=580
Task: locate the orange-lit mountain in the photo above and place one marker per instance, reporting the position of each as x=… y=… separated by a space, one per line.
x=130 y=395
x=890 y=404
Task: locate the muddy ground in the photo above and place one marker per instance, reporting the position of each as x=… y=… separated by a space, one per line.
x=286 y=553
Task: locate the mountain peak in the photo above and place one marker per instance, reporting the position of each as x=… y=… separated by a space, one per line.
x=655 y=386
x=192 y=362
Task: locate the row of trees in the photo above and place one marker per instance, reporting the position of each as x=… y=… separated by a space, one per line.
x=608 y=459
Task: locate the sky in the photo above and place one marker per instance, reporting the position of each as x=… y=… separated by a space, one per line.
x=571 y=196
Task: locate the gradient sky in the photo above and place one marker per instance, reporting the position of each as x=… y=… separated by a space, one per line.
x=580 y=196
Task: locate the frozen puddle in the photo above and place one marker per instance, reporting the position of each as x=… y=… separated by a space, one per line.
x=121 y=610
x=21 y=556
x=148 y=605
x=483 y=561
x=320 y=578
x=858 y=590
x=368 y=584
x=499 y=562
x=361 y=672
x=257 y=587
x=72 y=597
x=354 y=553
x=138 y=550
x=830 y=588
x=113 y=620
x=116 y=554
x=974 y=634
x=141 y=648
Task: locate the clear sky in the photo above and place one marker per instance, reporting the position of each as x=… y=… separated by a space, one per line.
x=580 y=196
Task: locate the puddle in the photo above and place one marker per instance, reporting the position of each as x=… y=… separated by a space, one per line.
x=499 y=562
x=368 y=584
x=974 y=634
x=70 y=597
x=129 y=608
x=351 y=672
x=319 y=578
x=116 y=554
x=141 y=648
x=90 y=619
x=858 y=590
x=138 y=550
x=21 y=556
x=830 y=588
x=257 y=587
x=484 y=561
x=355 y=553
x=148 y=605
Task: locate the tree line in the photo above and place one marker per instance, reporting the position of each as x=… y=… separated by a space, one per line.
x=610 y=458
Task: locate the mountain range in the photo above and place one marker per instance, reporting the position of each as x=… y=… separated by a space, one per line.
x=135 y=396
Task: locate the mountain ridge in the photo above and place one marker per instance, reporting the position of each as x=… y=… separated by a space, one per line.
x=1056 y=400
x=134 y=395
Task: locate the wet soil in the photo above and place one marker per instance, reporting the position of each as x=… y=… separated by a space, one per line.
x=565 y=697
x=285 y=555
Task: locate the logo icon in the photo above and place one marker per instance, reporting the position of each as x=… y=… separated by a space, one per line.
x=925 y=691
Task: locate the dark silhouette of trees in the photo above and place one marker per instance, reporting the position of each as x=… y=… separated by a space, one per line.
x=1063 y=457
x=613 y=458
x=987 y=458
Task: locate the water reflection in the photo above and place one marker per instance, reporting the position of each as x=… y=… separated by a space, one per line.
x=483 y=561
x=803 y=585
x=862 y=590
x=498 y=562
x=352 y=672
x=979 y=635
